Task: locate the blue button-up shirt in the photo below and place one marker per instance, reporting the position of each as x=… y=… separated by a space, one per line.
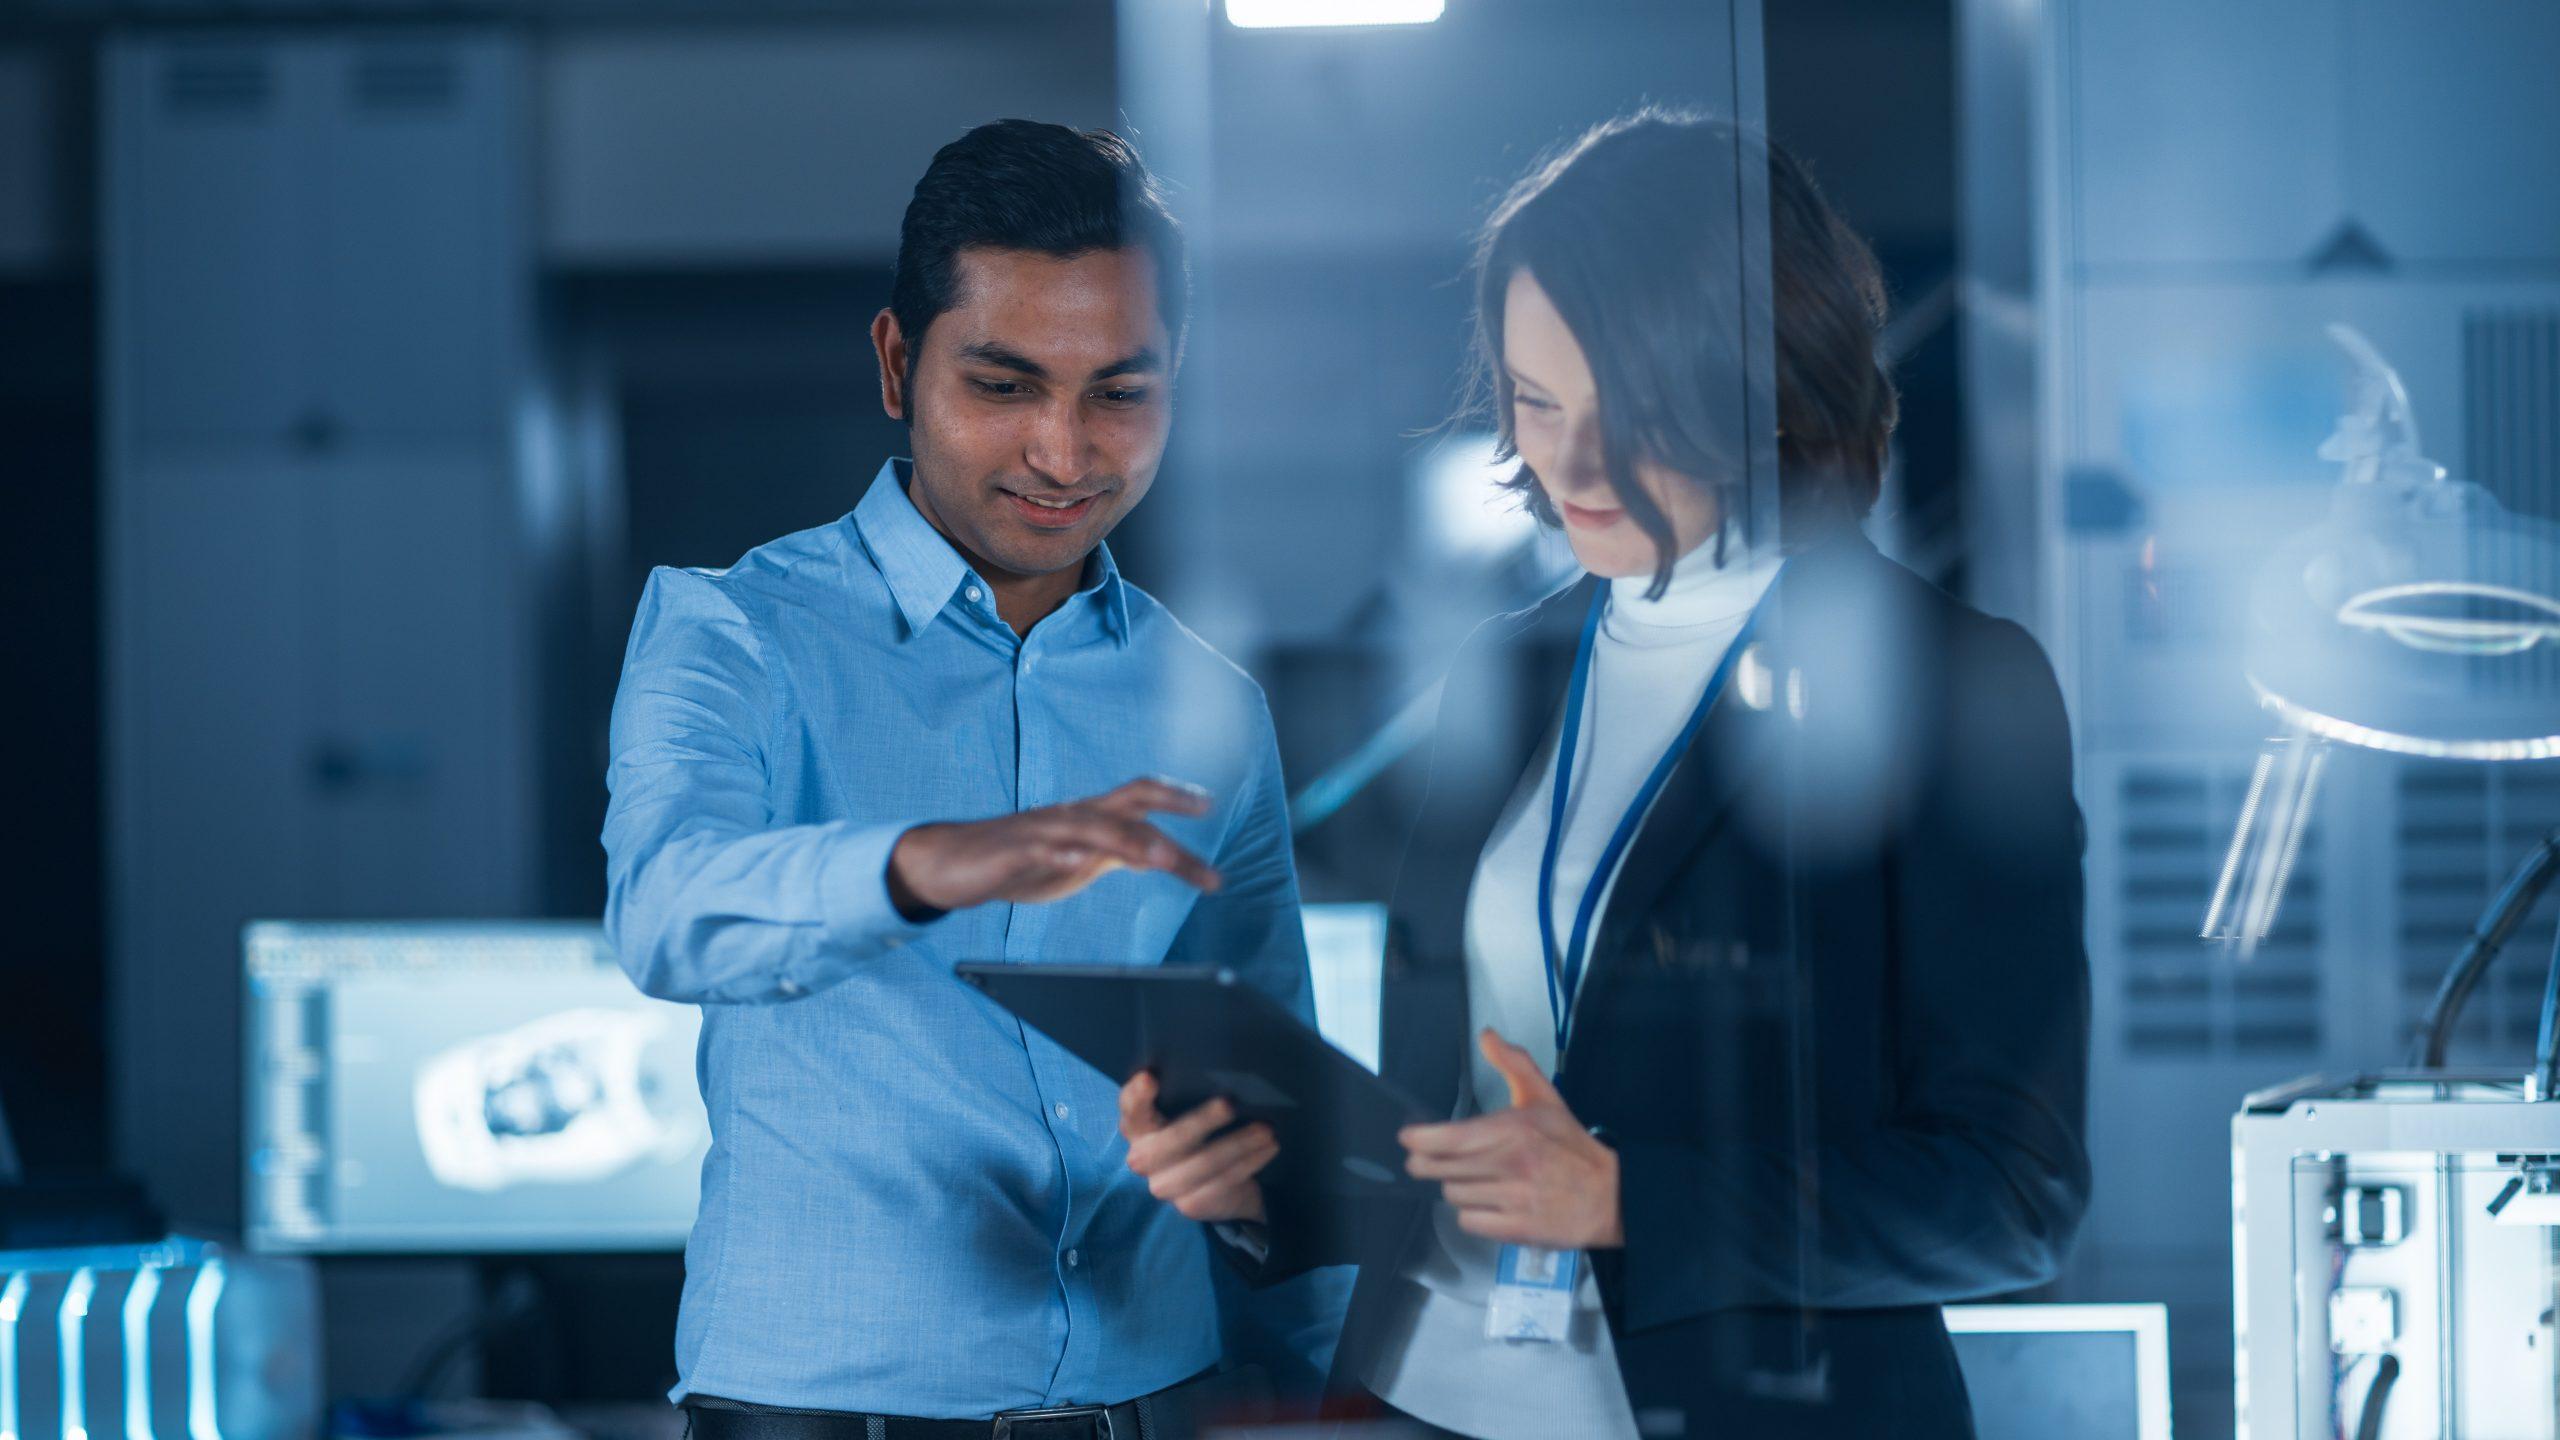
x=914 y=1205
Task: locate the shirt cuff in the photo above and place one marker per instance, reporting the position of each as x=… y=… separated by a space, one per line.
x=1254 y=1240
x=853 y=892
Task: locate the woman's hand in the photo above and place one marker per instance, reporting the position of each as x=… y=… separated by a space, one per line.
x=1205 y=1179
x=1530 y=1175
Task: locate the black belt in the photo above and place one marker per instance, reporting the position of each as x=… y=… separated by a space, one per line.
x=1173 y=1413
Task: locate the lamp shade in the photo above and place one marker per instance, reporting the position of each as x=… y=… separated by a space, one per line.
x=2421 y=616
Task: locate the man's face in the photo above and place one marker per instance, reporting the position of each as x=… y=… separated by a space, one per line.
x=1038 y=405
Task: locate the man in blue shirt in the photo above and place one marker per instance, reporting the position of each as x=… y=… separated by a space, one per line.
x=929 y=732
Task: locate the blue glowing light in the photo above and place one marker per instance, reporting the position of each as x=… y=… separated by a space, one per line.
x=74 y=1315
x=201 y=1298
x=137 y=1352
x=13 y=1303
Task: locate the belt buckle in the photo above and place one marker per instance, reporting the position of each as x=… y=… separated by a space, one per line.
x=1099 y=1414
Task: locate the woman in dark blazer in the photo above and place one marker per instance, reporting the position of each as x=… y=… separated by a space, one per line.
x=1818 y=1041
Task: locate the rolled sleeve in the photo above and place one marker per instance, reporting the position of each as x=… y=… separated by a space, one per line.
x=707 y=900
x=853 y=892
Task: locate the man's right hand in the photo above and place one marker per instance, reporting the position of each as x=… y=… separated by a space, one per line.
x=1045 y=854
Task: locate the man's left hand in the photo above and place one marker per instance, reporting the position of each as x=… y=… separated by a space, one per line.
x=1530 y=1175
x=1189 y=1163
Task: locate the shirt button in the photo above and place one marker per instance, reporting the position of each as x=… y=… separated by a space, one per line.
x=1074 y=1259
x=975 y=594
x=895 y=941
x=790 y=986
x=1061 y=1109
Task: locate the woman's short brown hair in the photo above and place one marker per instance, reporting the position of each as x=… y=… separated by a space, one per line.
x=1632 y=232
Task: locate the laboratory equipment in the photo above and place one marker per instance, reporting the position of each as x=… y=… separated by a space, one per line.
x=179 y=1338
x=2404 y=622
x=2394 y=1235
x=2394 y=1245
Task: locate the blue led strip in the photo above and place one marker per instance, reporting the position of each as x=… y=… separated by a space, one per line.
x=13 y=1303
x=68 y=1321
x=201 y=1298
x=137 y=1352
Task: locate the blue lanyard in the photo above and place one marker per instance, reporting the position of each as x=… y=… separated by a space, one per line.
x=1564 y=969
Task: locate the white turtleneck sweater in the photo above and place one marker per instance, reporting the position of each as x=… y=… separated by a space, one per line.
x=1649 y=666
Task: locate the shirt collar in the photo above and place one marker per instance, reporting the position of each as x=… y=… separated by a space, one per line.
x=925 y=572
x=1110 y=592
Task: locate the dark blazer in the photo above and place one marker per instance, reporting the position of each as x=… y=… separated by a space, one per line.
x=1835 y=1022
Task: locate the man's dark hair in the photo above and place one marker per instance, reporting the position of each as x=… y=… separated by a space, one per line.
x=1026 y=185
x=1632 y=232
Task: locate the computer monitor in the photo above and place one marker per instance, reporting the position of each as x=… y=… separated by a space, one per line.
x=1346 y=958
x=2093 y=1372
x=484 y=1087
x=464 y=1087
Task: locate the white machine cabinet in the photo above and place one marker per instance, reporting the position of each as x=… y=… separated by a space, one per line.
x=2395 y=1240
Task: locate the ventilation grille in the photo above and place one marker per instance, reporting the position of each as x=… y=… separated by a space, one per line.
x=2511 y=406
x=216 y=83
x=2511 y=447
x=2184 y=996
x=405 y=81
x=2463 y=828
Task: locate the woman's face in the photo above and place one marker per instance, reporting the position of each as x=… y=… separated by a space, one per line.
x=1555 y=419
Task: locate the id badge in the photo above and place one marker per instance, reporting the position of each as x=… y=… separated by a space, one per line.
x=1532 y=1294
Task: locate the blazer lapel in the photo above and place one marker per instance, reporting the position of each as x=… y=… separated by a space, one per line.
x=1736 y=746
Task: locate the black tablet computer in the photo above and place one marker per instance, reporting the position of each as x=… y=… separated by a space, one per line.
x=1206 y=1033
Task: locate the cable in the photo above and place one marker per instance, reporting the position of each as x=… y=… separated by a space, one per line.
x=516 y=1301
x=2339 y=1365
x=2376 y=1396
x=2497 y=923
x=2546 y=1040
